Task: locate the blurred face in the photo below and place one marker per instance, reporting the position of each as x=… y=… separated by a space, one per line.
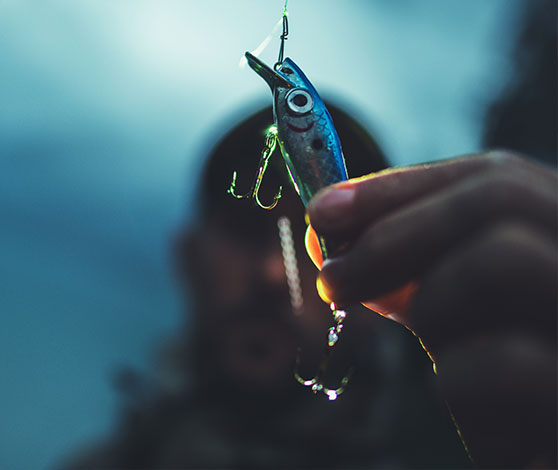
x=244 y=302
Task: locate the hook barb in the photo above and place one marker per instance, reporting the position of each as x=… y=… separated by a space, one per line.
x=316 y=383
x=275 y=198
x=232 y=188
x=270 y=143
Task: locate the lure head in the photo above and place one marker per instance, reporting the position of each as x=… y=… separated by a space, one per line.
x=305 y=131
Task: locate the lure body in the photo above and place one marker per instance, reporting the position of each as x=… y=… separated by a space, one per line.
x=305 y=131
x=312 y=153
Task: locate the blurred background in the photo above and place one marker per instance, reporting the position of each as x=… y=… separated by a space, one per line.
x=107 y=108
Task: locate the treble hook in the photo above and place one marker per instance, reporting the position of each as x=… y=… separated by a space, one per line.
x=270 y=143
x=316 y=383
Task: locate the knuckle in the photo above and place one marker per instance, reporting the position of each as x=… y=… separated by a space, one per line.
x=502 y=238
x=487 y=195
x=503 y=158
x=376 y=238
x=498 y=189
x=506 y=241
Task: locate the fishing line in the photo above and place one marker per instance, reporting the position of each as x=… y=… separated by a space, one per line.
x=258 y=50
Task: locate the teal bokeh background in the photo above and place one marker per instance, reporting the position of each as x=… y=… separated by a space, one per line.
x=106 y=110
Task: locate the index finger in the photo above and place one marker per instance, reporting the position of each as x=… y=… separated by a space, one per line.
x=348 y=206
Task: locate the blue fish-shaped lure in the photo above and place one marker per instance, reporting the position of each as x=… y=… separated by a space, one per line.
x=305 y=131
x=313 y=155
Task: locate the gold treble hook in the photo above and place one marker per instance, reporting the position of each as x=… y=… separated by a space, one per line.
x=316 y=383
x=270 y=143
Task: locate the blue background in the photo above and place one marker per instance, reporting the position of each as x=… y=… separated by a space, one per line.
x=106 y=109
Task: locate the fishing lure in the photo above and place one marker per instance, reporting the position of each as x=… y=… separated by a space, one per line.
x=312 y=153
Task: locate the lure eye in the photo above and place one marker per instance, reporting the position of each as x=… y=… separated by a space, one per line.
x=299 y=101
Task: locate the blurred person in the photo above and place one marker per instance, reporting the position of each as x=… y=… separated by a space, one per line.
x=228 y=398
x=470 y=247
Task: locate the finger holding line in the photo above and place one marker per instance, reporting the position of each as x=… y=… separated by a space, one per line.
x=401 y=246
x=345 y=208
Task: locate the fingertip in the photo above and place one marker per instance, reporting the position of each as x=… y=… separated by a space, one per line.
x=313 y=246
x=330 y=283
x=330 y=205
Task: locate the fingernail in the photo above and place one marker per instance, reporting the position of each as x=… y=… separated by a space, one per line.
x=322 y=291
x=328 y=280
x=335 y=202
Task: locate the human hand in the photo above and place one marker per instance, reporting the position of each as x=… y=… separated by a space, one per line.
x=463 y=253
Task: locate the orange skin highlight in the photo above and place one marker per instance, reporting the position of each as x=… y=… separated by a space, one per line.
x=394 y=305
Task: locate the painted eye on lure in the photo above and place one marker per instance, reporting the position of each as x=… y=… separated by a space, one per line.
x=299 y=101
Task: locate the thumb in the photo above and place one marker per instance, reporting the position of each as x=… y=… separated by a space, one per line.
x=394 y=305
